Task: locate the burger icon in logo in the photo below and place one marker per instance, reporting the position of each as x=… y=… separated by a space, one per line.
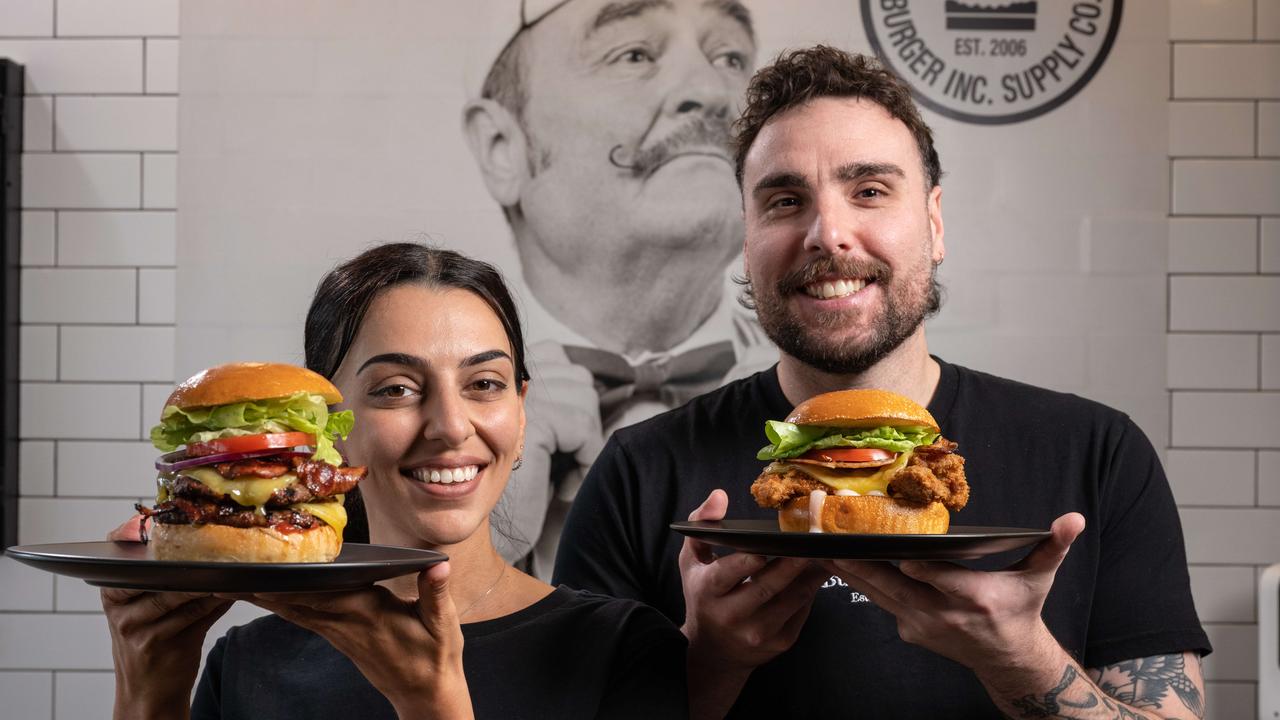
x=993 y=63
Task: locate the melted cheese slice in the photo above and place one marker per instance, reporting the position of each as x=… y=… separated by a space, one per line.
x=332 y=513
x=861 y=481
x=248 y=491
x=254 y=492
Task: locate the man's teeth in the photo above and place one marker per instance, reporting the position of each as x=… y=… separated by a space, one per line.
x=834 y=288
x=447 y=475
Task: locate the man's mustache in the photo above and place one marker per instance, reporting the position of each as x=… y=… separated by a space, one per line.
x=699 y=133
x=829 y=265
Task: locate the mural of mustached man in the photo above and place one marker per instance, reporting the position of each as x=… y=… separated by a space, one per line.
x=601 y=128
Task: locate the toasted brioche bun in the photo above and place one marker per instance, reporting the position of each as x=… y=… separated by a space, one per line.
x=223 y=543
x=861 y=409
x=245 y=381
x=866 y=514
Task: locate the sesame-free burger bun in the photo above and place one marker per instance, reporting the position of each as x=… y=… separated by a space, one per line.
x=224 y=543
x=861 y=409
x=866 y=514
x=246 y=381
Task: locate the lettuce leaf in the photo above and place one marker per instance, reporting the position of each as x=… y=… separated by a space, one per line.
x=300 y=412
x=787 y=440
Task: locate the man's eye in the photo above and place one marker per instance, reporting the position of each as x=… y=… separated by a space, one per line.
x=870 y=193
x=636 y=55
x=731 y=60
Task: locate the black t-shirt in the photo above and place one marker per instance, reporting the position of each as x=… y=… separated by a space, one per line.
x=1030 y=456
x=570 y=655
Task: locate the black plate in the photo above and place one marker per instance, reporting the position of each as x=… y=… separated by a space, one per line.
x=763 y=537
x=130 y=565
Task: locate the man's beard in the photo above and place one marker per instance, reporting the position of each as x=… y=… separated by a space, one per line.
x=907 y=303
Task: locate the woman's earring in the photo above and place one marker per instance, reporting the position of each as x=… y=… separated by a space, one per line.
x=519 y=458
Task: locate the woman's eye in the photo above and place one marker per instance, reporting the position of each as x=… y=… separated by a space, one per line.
x=393 y=391
x=488 y=385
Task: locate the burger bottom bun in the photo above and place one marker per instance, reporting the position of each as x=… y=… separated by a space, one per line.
x=866 y=514
x=223 y=543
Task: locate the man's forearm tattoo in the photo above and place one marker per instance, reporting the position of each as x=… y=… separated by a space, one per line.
x=1141 y=683
x=1147 y=682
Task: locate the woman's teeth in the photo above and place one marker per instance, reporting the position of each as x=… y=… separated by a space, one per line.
x=446 y=475
x=834 y=288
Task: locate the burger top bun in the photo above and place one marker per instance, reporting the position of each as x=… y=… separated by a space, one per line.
x=241 y=382
x=861 y=409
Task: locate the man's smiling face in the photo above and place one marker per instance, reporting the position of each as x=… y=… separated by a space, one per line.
x=843 y=233
x=627 y=122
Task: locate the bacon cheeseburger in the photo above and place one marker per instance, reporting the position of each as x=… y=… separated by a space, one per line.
x=860 y=461
x=259 y=479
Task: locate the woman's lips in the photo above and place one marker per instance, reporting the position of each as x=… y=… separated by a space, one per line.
x=447 y=480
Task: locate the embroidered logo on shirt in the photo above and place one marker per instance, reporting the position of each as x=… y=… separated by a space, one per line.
x=854 y=595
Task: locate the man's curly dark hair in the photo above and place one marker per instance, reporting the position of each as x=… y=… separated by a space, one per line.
x=799 y=76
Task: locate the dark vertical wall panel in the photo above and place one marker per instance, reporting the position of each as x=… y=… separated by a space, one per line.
x=10 y=247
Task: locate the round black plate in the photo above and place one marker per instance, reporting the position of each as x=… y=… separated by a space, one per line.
x=130 y=565
x=763 y=537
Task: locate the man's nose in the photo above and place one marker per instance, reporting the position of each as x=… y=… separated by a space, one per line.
x=832 y=229
x=699 y=87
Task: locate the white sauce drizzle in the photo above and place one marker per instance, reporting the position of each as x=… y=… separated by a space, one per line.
x=848 y=493
x=816 y=498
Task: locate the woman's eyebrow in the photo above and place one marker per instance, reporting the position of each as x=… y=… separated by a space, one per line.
x=405 y=359
x=484 y=357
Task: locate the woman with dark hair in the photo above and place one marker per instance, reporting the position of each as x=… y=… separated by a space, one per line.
x=426 y=348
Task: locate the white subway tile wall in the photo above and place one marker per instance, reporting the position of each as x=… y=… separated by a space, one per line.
x=35 y=467
x=1212 y=128
x=162 y=66
x=26 y=17
x=1213 y=245
x=98 y=242
x=1269 y=128
x=99 y=253
x=1211 y=20
x=81 y=180
x=1221 y=71
x=1269 y=255
x=38 y=244
x=125 y=18
x=1224 y=316
x=37 y=122
x=117 y=237
x=78 y=66
x=160 y=180
x=125 y=123
x=38 y=352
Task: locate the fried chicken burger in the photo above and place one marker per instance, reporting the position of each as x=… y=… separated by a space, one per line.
x=251 y=473
x=860 y=461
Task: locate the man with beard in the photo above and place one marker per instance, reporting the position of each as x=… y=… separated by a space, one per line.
x=843 y=216
x=602 y=129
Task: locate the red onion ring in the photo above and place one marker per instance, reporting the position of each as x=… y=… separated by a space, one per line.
x=178 y=460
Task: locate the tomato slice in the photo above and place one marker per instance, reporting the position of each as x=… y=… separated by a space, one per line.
x=250 y=443
x=844 y=454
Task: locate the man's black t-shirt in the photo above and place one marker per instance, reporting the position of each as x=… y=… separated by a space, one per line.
x=1030 y=456
x=570 y=655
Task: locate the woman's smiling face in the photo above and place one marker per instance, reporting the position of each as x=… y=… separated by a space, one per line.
x=439 y=414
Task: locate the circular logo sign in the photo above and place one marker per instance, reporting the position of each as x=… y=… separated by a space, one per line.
x=992 y=61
